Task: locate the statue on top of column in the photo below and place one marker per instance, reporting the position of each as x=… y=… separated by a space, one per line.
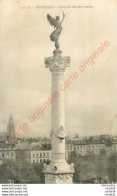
x=58 y=25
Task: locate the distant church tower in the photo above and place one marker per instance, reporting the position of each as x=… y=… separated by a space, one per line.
x=10 y=126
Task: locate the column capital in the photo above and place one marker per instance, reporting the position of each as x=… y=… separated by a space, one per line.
x=57 y=63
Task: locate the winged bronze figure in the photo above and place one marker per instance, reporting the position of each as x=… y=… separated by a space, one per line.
x=58 y=25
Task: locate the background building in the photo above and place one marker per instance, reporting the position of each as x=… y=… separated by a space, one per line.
x=92 y=145
x=7 y=152
x=37 y=155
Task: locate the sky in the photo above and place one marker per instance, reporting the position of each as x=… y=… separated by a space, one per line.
x=25 y=83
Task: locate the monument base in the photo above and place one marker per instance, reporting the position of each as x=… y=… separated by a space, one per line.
x=58 y=173
x=58 y=179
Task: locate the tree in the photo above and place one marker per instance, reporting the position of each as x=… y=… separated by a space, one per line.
x=93 y=168
x=19 y=171
x=112 y=168
x=38 y=168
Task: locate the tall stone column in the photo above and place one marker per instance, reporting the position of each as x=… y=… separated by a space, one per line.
x=58 y=172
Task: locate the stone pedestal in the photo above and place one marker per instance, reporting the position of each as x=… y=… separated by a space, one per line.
x=58 y=172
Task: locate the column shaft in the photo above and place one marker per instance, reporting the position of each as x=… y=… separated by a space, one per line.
x=58 y=117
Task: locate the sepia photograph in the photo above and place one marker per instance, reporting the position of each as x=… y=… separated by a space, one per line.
x=58 y=92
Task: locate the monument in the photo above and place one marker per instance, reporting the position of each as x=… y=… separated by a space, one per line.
x=58 y=171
